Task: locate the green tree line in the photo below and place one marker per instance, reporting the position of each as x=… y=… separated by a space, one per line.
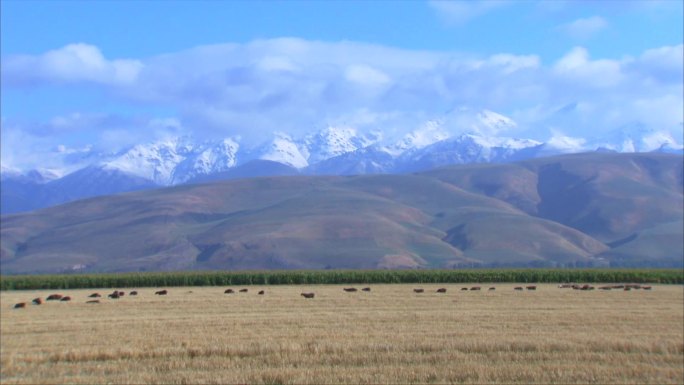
x=223 y=278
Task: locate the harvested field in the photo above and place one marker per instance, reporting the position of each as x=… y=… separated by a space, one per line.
x=388 y=335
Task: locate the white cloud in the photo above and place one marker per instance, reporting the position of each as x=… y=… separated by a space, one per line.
x=72 y=63
x=462 y=11
x=294 y=85
x=576 y=66
x=584 y=29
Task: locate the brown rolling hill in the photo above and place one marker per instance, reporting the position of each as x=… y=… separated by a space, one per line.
x=577 y=210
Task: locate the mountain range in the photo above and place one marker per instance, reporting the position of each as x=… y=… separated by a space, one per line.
x=594 y=209
x=461 y=136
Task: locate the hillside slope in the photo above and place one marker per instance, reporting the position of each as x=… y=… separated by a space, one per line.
x=576 y=210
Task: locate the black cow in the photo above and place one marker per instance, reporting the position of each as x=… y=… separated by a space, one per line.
x=441 y=290
x=308 y=295
x=161 y=292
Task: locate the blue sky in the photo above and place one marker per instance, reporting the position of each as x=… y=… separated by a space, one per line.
x=109 y=74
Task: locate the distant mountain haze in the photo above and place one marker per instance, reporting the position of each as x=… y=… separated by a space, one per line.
x=581 y=210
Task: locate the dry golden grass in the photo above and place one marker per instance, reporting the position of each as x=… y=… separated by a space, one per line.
x=390 y=335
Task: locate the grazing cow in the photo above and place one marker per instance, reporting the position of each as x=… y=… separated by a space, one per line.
x=627 y=288
x=418 y=290
x=587 y=287
x=441 y=290
x=492 y=288
x=20 y=305
x=228 y=291
x=261 y=292
x=243 y=290
x=37 y=301
x=605 y=288
x=66 y=298
x=161 y=292
x=366 y=289
x=617 y=287
x=308 y=295
x=349 y=289
x=646 y=287
x=54 y=297
x=518 y=288
x=531 y=288
x=475 y=288
x=133 y=293
x=121 y=294
x=93 y=301
x=464 y=289
x=114 y=295
x=95 y=295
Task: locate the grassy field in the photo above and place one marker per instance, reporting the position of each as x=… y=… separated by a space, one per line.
x=388 y=335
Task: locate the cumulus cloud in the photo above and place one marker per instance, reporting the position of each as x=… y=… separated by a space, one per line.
x=294 y=85
x=72 y=63
x=585 y=28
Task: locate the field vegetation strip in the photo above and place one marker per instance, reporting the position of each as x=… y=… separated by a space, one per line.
x=223 y=278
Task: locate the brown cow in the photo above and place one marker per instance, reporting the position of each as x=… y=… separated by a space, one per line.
x=532 y=287
x=308 y=295
x=133 y=293
x=243 y=290
x=464 y=289
x=618 y=287
x=121 y=294
x=605 y=288
x=20 y=305
x=646 y=287
x=518 y=288
x=65 y=298
x=37 y=301
x=228 y=291
x=418 y=290
x=565 y=285
x=441 y=290
x=95 y=295
x=161 y=292
x=114 y=295
x=587 y=287
x=475 y=288
x=93 y=301
x=54 y=297
x=366 y=289
x=492 y=288
x=349 y=289
x=261 y=292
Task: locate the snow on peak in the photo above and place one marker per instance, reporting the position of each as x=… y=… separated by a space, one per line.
x=284 y=150
x=636 y=138
x=428 y=133
x=334 y=141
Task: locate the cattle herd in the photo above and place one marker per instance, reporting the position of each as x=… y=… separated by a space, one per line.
x=116 y=294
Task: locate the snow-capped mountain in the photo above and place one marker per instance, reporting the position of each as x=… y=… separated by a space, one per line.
x=282 y=148
x=461 y=135
x=156 y=161
x=466 y=148
x=334 y=141
x=636 y=137
x=208 y=158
